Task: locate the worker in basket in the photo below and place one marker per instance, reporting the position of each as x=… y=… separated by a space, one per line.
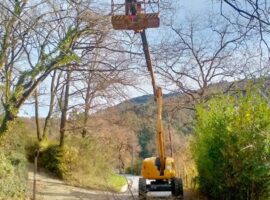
x=132 y=7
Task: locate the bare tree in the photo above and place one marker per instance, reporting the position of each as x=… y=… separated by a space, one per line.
x=252 y=14
x=100 y=82
x=251 y=10
x=97 y=90
x=198 y=55
x=50 y=36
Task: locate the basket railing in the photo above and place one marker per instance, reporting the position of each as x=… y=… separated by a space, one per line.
x=118 y=7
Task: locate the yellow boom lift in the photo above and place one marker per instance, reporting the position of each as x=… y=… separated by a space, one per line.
x=160 y=170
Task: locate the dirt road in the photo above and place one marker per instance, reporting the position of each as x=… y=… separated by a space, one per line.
x=50 y=188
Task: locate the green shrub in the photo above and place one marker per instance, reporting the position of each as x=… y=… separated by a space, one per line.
x=232 y=147
x=84 y=162
x=31 y=146
x=116 y=182
x=135 y=169
x=94 y=165
x=13 y=171
x=58 y=160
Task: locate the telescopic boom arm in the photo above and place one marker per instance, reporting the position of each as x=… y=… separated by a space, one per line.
x=148 y=61
x=159 y=100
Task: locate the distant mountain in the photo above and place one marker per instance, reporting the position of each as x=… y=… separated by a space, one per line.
x=145 y=98
x=140 y=100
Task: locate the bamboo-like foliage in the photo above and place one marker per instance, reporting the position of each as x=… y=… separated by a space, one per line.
x=231 y=147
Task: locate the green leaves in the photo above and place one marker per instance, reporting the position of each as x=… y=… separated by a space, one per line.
x=13 y=170
x=68 y=59
x=231 y=147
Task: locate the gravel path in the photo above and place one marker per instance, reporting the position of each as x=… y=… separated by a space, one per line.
x=51 y=188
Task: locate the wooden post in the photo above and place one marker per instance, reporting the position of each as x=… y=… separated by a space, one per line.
x=35 y=172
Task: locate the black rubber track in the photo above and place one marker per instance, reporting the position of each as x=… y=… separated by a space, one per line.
x=142 y=189
x=177 y=189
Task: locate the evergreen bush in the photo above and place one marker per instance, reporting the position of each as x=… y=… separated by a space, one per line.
x=232 y=147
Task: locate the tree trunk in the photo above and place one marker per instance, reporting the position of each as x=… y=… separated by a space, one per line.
x=48 y=117
x=64 y=111
x=8 y=117
x=85 y=121
x=89 y=96
x=37 y=116
x=87 y=105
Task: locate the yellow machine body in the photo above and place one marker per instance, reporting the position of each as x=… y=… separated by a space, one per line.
x=151 y=169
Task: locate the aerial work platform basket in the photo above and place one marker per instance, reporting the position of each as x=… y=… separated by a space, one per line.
x=135 y=15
